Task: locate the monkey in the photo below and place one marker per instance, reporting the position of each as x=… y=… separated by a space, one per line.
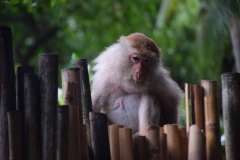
x=131 y=85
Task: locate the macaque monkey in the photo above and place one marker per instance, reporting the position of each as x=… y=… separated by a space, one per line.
x=131 y=85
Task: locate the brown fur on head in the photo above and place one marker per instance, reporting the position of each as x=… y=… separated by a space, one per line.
x=143 y=44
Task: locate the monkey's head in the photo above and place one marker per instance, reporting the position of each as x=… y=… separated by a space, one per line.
x=132 y=63
x=143 y=57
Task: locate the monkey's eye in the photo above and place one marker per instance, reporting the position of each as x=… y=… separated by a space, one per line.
x=146 y=61
x=136 y=59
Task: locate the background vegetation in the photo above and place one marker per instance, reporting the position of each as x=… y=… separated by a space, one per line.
x=199 y=39
x=192 y=34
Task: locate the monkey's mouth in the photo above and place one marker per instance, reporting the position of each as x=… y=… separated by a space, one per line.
x=138 y=78
x=138 y=81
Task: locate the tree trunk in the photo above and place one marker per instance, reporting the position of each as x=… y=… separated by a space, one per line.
x=235 y=38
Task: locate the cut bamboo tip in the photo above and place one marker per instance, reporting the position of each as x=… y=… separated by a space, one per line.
x=173 y=141
x=126 y=144
x=153 y=141
x=113 y=131
x=196 y=148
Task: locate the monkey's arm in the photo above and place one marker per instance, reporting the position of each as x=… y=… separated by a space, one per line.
x=149 y=110
x=169 y=95
x=99 y=95
x=159 y=102
x=159 y=107
x=102 y=86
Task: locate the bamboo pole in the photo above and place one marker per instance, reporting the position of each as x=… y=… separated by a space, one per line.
x=113 y=131
x=31 y=123
x=231 y=113
x=85 y=92
x=4 y=151
x=199 y=107
x=196 y=148
x=209 y=87
x=21 y=70
x=63 y=149
x=212 y=126
x=1 y=63
x=21 y=98
x=213 y=144
x=8 y=89
x=183 y=143
x=161 y=130
x=70 y=86
x=72 y=75
x=70 y=94
x=187 y=106
x=15 y=136
x=139 y=147
x=84 y=142
x=173 y=141
x=48 y=80
x=126 y=144
x=153 y=141
x=20 y=87
x=163 y=147
x=99 y=136
x=192 y=107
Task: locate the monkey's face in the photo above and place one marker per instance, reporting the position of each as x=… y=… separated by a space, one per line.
x=138 y=72
x=139 y=57
x=140 y=67
x=145 y=57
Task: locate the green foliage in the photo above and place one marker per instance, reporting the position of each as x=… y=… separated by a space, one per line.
x=182 y=115
x=82 y=29
x=177 y=40
x=212 y=38
x=60 y=97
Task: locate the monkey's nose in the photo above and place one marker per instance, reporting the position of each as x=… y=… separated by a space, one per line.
x=138 y=76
